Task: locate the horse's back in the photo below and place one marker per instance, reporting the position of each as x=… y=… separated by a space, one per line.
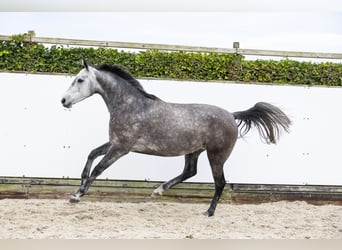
x=206 y=116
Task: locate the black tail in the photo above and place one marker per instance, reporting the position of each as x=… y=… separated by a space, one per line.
x=268 y=119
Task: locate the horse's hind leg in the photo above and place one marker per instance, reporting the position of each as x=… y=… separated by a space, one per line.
x=190 y=169
x=217 y=160
x=220 y=182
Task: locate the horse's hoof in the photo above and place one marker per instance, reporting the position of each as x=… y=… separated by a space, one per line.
x=208 y=214
x=155 y=195
x=158 y=192
x=74 y=199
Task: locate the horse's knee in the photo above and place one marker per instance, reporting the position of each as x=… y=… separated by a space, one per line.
x=92 y=155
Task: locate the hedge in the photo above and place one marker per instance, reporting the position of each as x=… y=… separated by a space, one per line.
x=18 y=55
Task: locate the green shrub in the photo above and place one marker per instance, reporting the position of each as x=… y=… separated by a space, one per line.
x=18 y=55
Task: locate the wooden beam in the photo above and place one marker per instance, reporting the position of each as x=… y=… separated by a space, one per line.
x=169 y=47
x=137 y=191
x=278 y=53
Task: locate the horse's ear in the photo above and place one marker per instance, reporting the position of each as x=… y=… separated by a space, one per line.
x=85 y=65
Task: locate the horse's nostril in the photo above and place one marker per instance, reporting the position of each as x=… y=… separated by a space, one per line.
x=63 y=100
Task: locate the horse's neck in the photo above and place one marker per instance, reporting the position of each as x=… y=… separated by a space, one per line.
x=122 y=99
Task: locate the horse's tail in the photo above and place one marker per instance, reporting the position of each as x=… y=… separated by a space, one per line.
x=268 y=119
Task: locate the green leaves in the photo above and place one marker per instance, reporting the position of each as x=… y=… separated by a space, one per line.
x=19 y=55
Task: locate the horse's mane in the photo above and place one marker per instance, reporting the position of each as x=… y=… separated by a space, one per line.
x=114 y=69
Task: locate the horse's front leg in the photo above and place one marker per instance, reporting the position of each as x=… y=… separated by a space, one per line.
x=103 y=149
x=113 y=154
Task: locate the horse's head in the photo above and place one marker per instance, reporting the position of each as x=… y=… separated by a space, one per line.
x=84 y=85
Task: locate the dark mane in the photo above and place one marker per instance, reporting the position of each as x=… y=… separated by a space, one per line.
x=114 y=69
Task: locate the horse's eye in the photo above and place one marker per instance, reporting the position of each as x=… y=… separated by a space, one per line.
x=80 y=80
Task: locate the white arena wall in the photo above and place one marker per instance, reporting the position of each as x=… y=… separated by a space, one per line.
x=40 y=138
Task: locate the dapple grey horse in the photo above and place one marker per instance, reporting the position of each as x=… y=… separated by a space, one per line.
x=141 y=122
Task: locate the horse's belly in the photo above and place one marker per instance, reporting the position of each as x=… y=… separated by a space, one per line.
x=166 y=147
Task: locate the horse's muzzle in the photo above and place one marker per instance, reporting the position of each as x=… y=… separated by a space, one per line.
x=66 y=103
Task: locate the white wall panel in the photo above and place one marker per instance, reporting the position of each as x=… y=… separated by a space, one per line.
x=38 y=137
